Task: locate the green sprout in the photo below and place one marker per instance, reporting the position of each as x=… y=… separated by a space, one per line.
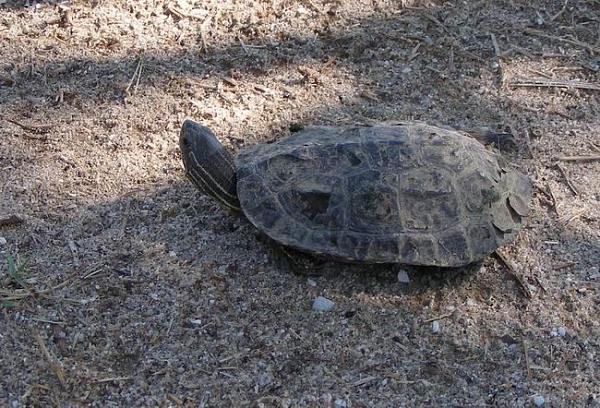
x=16 y=270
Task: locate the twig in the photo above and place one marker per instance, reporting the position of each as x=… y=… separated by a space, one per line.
x=554 y=200
x=54 y=364
x=363 y=381
x=444 y=316
x=174 y=11
x=229 y=81
x=328 y=64
x=562 y=10
x=540 y=284
x=540 y=73
x=495 y=44
x=202 y=33
x=567 y=219
x=21 y=294
x=316 y=8
x=12 y=219
x=110 y=379
x=136 y=74
x=93 y=272
x=32 y=128
x=513 y=272
x=567 y=180
x=552 y=83
x=527 y=363
x=549 y=198
x=415 y=52
x=592 y=157
x=539 y=33
x=195 y=14
x=451 y=67
x=36 y=319
x=564 y=265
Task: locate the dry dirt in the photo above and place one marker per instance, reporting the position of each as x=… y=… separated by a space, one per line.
x=132 y=289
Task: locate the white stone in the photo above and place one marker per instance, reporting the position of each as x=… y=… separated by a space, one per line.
x=403 y=276
x=435 y=327
x=340 y=403
x=322 y=304
x=538 y=400
x=2 y=241
x=561 y=331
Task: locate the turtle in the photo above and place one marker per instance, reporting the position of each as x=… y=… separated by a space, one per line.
x=403 y=193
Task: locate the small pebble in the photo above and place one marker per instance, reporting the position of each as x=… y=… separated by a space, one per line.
x=312 y=282
x=327 y=398
x=538 y=400
x=403 y=276
x=539 y=20
x=561 y=331
x=2 y=241
x=435 y=327
x=340 y=403
x=322 y=304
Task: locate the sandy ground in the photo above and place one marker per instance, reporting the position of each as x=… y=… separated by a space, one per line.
x=131 y=289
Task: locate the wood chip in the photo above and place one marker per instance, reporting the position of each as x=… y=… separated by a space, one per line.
x=369 y=95
x=6 y=81
x=10 y=220
x=230 y=81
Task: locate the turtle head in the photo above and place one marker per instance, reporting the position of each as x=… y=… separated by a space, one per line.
x=208 y=164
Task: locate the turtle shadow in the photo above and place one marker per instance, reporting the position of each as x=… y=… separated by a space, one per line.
x=365 y=277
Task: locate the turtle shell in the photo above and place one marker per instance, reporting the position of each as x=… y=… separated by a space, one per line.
x=409 y=193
